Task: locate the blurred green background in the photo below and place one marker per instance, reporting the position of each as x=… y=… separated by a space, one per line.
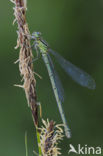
x=74 y=29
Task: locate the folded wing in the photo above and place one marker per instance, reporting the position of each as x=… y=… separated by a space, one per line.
x=77 y=74
x=57 y=80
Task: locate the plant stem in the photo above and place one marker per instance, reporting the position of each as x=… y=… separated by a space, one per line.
x=25 y=59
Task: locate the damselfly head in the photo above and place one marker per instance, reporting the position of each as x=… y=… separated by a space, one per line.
x=36 y=35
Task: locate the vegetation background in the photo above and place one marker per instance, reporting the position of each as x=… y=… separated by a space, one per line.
x=75 y=30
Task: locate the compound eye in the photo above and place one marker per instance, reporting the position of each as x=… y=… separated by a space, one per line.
x=33 y=37
x=36 y=35
x=33 y=34
x=39 y=33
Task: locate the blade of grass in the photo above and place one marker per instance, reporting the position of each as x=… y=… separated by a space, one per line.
x=38 y=141
x=26 y=143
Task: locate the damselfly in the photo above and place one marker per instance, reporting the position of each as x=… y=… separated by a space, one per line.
x=74 y=72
